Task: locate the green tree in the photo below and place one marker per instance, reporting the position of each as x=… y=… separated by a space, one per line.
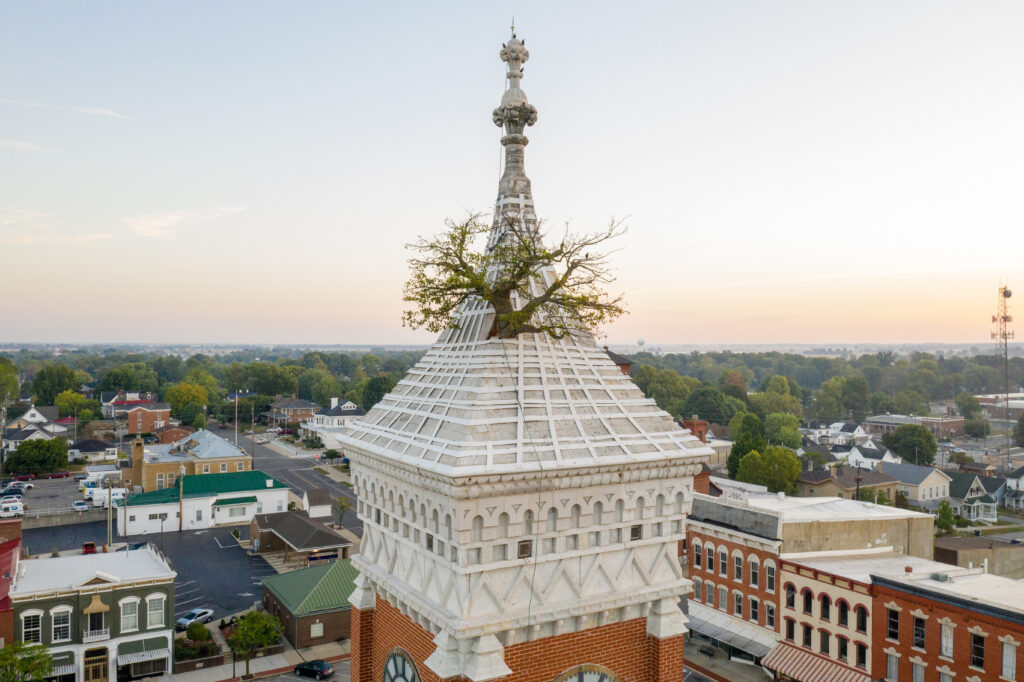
x=24 y=662
x=733 y=384
x=782 y=428
x=707 y=402
x=69 y=402
x=376 y=388
x=748 y=436
x=913 y=442
x=768 y=402
x=131 y=376
x=967 y=405
x=977 y=427
x=38 y=457
x=946 y=518
x=253 y=631
x=197 y=632
x=530 y=287
x=960 y=458
x=9 y=385
x=186 y=393
x=199 y=421
x=342 y=505
x=855 y=396
x=50 y=381
x=777 y=468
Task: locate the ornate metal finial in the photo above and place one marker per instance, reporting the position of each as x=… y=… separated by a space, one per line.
x=515 y=112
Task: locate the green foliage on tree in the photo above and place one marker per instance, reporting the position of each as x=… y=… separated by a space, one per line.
x=733 y=383
x=777 y=468
x=945 y=517
x=186 y=393
x=707 y=402
x=24 y=662
x=253 y=631
x=342 y=505
x=38 y=457
x=977 y=427
x=454 y=267
x=199 y=421
x=50 y=381
x=131 y=376
x=782 y=428
x=197 y=632
x=747 y=437
x=968 y=406
x=960 y=458
x=913 y=442
x=376 y=388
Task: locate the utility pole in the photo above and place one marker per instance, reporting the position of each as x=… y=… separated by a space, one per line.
x=110 y=503
x=236 y=416
x=254 y=429
x=181 y=495
x=1002 y=335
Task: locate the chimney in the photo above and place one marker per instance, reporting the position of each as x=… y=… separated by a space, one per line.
x=908 y=569
x=334 y=403
x=270 y=483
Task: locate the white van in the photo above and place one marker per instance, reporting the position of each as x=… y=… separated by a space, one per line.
x=9 y=509
x=101 y=496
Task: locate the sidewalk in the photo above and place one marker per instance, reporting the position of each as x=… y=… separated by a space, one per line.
x=720 y=667
x=269 y=665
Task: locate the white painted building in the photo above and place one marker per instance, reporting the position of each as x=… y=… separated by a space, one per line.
x=329 y=423
x=208 y=500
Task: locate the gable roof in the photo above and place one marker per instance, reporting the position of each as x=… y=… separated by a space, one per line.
x=318 y=496
x=992 y=484
x=960 y=483
x=341 y=410
x=910 y=474
x=293 y=404
x=91 y=445
x=846 y=477
x=302 y=533
x=618 y=359
x=719 y=431
x=318 y=588
x=51 y=412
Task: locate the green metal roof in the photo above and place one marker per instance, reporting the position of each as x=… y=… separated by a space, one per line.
x=318 y=588
x=210 y=485
x=235 y=500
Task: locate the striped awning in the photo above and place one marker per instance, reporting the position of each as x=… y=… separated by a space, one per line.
x=142 y=656
x=718 y=625
x=803 y=665
x=58 y=670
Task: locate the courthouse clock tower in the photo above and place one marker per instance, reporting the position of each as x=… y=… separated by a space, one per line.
x=521 y=500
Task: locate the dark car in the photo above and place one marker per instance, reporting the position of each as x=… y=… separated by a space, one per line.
x=25 y=477
x=57 y=474
x=17 y=492
x=318 y=669
x=150 y=440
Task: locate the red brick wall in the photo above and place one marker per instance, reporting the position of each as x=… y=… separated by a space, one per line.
x=624 y=648
x=964 y=620
x=174 y=433
x=763 y=595
x=149 y=417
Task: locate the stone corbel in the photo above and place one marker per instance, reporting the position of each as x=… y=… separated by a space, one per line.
x=363 y=597
x=666 y=620
x=478 y=660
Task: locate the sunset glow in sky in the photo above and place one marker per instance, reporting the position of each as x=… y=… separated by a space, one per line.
x=248 y=172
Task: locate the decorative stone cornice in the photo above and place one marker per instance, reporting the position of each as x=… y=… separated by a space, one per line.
x=1008 y=639
x=977 y=630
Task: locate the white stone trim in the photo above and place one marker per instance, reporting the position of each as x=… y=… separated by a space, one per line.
x=977 y=630
x=945 y=669
x=893 y=605
x=1008 y=639
x=891 y=651
x=947 y=621
x=918 y=613
x=918 y=660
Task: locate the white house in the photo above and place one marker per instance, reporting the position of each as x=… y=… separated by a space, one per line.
x=203 y=501
x=846 y=433
x=41 y=415
x=328 y=423
x=317 y=503
x=869 y=455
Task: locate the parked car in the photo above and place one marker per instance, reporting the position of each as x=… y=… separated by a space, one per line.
x=10 y=498
x=222 y=425
x=24 y=485
x=80 y=505
x=150 y=440
x=318 y=669
x=261 y=440
x=194 y=616
x=88 y=548
x=25 y=477
x=12 y=492
x=274 y=429
x=57 y=474
x=81 y=476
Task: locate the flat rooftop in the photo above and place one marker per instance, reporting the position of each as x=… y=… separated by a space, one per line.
x=70 y=572
x=828 y=509
x=971 y=585
x=863 y=564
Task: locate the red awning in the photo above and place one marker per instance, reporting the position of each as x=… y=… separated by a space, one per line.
x=806 y=666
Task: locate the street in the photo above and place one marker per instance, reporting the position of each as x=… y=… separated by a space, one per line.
x=295 y=472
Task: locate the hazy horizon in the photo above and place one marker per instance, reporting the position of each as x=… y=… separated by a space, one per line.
x=248 y=173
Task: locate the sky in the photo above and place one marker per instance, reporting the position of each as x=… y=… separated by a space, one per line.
x=249 y=172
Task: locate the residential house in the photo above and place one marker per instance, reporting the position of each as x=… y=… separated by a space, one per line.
x=144 y=418
x=624 y=364
x=112 y=404
x=101 y=616
x=970 y=498
x=318 y=503
x=717 y=431
x=980 y=468
x=845 y=481
x=923 y=486
x=996 y=556
x=1014 y=498
x=92 y=450
x=312 y=603
x=157 y=466
x=736 y=543
x=16 y=436
x=105 y=429
x=846 y=433
x=36 y=415
x=198 y=502
x=297 y=537
x=330 y=421
x=292 y=410
x=828 y=632
x=950 y=625
x=942 y=428
x=869 y=455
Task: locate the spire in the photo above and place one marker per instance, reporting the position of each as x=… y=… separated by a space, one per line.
x=513 y=114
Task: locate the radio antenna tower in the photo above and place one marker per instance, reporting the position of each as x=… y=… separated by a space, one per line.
x=1002 y=335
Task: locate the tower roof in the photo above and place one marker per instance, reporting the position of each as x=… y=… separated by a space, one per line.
x=476 y=404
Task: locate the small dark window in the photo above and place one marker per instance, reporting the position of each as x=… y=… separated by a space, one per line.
x=430 y=542
x=892 y=623
x=807 y=636
x=977 y=651
x=525 y=549
x=919 y=633
x=862 y=619
x=862 y=656
x=824 y=638
x=843 y=646
x=808 y=601
x=790 y=597
x=636 y=532
x=826 y=607
x=790 y=629
x=844 y=614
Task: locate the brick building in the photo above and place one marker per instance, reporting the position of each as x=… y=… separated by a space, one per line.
x=158 y=466
x=312 y=603
x=515 y=526
x=956 y=625
x=292 y=410
x=145 y=418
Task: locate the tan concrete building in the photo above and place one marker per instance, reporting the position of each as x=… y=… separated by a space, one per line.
x=997 y=556
x=158 y=466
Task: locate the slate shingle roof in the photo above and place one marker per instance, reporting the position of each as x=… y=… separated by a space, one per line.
x=302 y=533
x=910 y=474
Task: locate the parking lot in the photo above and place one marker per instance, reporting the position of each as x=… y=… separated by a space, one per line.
x=341 y=672
x=213 y=571
x=52 y=493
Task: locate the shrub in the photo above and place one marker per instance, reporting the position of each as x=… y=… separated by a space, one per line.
x=197 y=632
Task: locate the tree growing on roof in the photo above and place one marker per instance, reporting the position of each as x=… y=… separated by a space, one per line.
x=532 y=288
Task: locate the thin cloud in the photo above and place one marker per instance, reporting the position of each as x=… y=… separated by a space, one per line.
x=92 y=111
x=17 y=216
x=94 y=237
x=167 y=224
x=22 y=146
